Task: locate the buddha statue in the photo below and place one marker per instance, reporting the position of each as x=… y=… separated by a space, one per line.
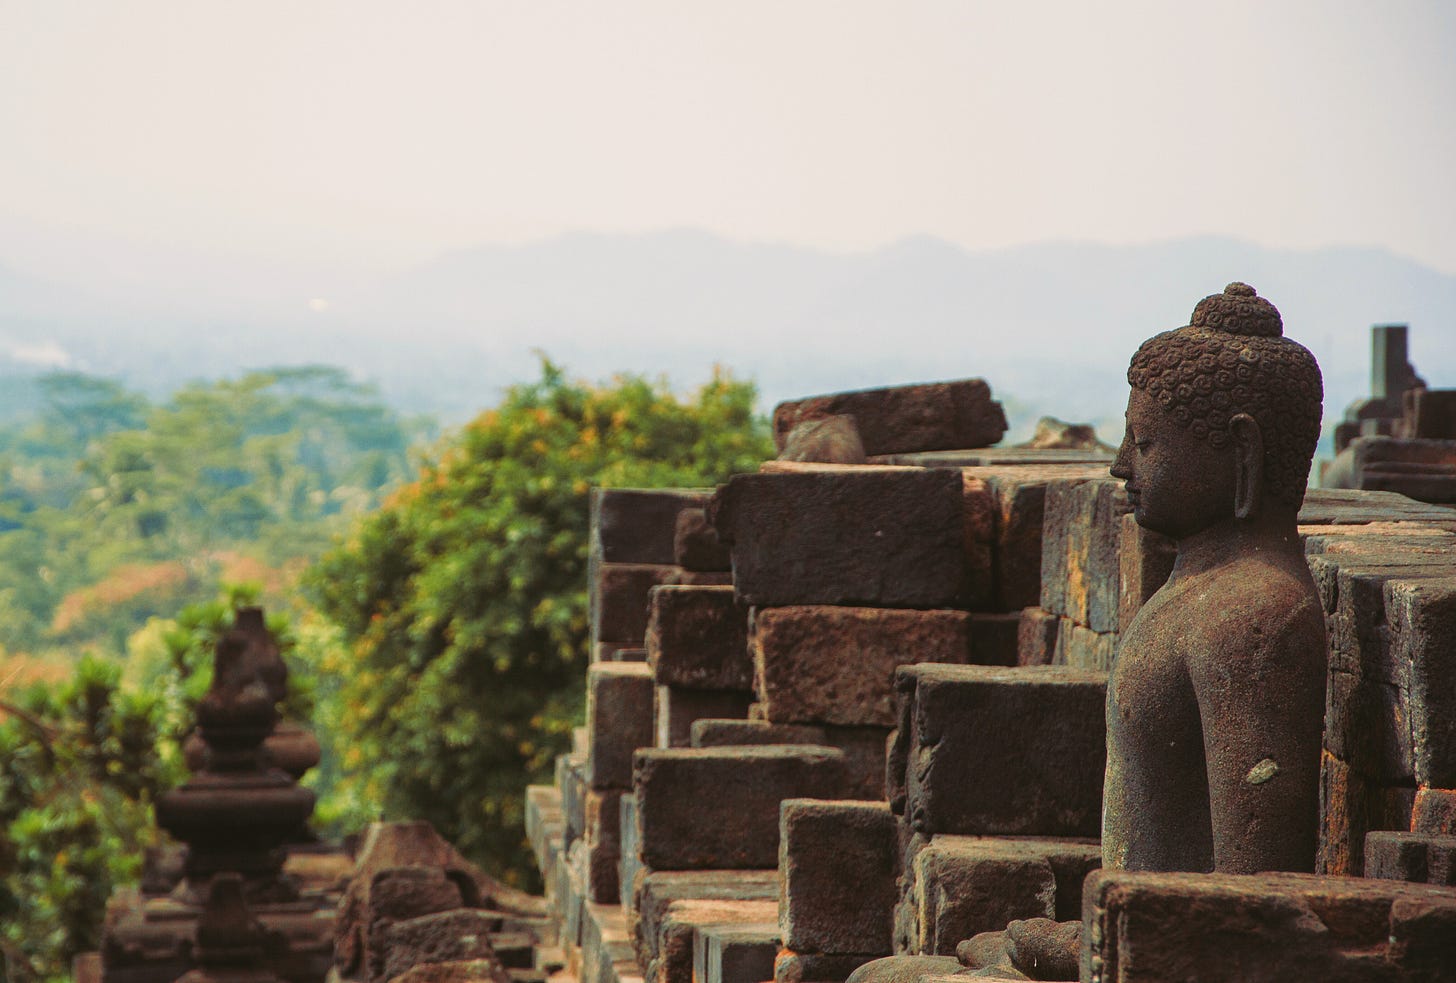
x=1215 y=701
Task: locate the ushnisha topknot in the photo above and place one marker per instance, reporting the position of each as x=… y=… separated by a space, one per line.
x=1233 y=358
x=1238 y=310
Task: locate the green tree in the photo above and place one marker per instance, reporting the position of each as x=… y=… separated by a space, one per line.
x=462 y=602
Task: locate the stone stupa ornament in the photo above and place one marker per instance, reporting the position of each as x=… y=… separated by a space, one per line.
x=229 y=944
x=238 y=811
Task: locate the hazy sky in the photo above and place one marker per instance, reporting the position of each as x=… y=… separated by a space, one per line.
x=385 y=132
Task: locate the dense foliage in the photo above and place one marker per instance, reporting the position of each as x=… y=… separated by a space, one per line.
x=462 y=602
x=84 y=762
x=113 y=510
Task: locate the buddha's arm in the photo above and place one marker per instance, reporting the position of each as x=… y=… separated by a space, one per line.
x=1261 y=699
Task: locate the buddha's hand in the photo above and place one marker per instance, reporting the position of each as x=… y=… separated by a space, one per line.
x=1035 y=949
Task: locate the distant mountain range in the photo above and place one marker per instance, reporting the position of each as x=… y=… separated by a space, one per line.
x=1050 y=326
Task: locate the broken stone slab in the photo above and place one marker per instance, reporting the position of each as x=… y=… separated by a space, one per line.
x=463 y=933
x=872 y=537
x=639 y=525
x=619 y=714
x=676 y=710
x=619 y=600
x=837 y=875
x=1264 y=928
x=1019 y=494
x=1036 y=637
x=963 y=885
x=697 y=638
x=727 y=733
x=395 y=894
x=682 y=919
x=696 y=545
x=1420 y=858
x=1145 y=562
x=659 y=889
x=718 y=808
x=826 y=440
x=738 y=953
x=935 y=416
x=1001 y=751
x=822 y=664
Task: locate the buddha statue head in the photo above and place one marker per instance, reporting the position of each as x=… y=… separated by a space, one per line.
x=1223 y=418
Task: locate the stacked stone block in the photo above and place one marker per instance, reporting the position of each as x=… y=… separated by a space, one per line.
x=633 y=548
x=982 y=755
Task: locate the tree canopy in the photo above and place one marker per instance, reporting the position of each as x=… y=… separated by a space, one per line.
x=462 y=602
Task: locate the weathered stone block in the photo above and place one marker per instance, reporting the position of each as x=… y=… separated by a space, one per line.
x=726 y=733
x=674 y=962
x=1434 y=811
x=1036 y=637
x=397 y=894
x=677 y=709
x=1416 y=857
x=997 y=751
x=619 y=720
x=659 y=889
x=600 y=876
x=619 y=600
x=1020 y=494
x=639 y=525
x=606 y=948
x=1267 y=928
x=934 y=416
x=717 y=808
x=883 y=537
x=463 y=933
x=964 y=884
x=1145 y=561
x=741 y=953
x=836 y=665
x=1079 y=560
x=995 y=638
x=1422 y=618
x=697 y=638
x=1083 y=648
x=864 y=751
x=696 y=545
x=1350 y=806
x=837 y=876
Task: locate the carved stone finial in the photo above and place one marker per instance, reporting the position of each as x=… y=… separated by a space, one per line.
x=230 y=942
x=237 y=812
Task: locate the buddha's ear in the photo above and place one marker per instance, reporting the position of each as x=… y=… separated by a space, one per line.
x=1248 y=442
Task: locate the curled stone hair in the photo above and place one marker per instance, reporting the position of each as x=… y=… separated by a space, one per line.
x=1233 y=358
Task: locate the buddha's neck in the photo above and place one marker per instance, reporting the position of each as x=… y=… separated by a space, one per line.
x=1273 y=532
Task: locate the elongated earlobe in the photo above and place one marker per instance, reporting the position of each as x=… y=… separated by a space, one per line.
x=1248 y=465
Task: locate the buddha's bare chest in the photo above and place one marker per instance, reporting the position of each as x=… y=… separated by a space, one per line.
x=1153 y=710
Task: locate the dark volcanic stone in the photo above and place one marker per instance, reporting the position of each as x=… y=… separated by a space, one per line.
x=697 y=638
x=639 y=525
x=837 y=871
x=901 y=419
x=824 y=664
x=718 y=808
x=619 y=720
x=996 y=751
x=872 y=537
x=696 y=545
